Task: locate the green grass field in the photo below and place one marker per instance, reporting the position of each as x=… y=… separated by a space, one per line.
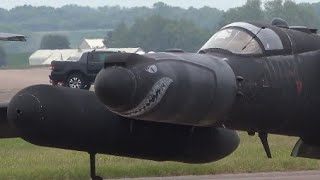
x=21 y=160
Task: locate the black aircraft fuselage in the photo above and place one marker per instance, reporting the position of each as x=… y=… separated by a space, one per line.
x=249 y=76
x=278 y=90
x=275 y=71
x=277 y=94
x=178 y=106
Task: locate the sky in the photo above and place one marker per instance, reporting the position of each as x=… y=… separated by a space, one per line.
x=220 y=4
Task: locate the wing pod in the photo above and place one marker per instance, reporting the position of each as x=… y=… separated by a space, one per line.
x=75 y=119
x=179 y=88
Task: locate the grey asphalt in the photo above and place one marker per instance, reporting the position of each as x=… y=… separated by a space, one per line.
x=13 y=80
x=297 y=175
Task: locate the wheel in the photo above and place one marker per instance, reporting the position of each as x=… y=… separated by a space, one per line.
x=76 y=81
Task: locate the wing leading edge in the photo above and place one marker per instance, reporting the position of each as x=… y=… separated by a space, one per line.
x=11 y=37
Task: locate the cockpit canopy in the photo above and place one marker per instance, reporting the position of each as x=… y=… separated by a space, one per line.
x=244 y=38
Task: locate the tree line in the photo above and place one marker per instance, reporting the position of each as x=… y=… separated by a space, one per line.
x=303 y=14
x=74 y=17
x=158 y=33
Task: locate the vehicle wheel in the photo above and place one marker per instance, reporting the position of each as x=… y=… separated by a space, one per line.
x=76 y=81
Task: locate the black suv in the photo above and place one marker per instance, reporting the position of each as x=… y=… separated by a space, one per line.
x=79 y=73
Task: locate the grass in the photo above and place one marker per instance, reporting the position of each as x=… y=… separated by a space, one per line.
x=21 y=160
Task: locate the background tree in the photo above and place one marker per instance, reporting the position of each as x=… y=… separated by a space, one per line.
x=41 y=18
x=302 y=14
x=29 y=20
x=54 y=42
x=3 y=57
x=156 y=33
x=119 y=37
x=251 y=11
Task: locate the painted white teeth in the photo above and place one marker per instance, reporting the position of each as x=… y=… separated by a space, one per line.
x=153 y=97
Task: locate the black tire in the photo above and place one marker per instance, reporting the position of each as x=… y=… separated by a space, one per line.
x=54 y=83
x=77 y=81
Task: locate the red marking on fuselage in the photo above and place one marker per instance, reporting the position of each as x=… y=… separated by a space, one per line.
x=299 y=86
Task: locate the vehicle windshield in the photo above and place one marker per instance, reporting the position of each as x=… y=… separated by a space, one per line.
x=100 y=57
x=234 y=40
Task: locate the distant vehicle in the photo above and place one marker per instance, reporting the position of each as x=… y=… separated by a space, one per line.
x=80 y=73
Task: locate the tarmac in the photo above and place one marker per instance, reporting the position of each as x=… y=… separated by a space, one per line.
x=11 y=81
x=297 y=175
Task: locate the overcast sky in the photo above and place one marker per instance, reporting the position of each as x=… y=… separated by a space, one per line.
x=220 y=4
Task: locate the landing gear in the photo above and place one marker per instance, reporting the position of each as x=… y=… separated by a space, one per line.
x=264 y=140
x=93 y=167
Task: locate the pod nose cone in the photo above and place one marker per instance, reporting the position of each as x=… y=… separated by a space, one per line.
x=115 y=87
x=24 y=113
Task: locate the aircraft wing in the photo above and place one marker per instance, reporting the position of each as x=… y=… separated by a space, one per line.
x=11 y=37
x=6 y=131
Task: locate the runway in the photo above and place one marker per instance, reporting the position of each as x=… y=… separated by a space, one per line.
x=297 y=175
x=13 y=80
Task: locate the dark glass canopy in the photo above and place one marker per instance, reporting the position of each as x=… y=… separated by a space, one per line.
x=244 y=38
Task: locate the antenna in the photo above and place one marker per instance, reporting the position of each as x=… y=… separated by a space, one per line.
x=244 y=47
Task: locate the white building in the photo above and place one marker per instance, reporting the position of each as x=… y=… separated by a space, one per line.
x=45 y=56
x=92 y=44
x=137 y=50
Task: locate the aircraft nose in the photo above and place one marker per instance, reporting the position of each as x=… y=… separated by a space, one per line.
x=115 y=87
